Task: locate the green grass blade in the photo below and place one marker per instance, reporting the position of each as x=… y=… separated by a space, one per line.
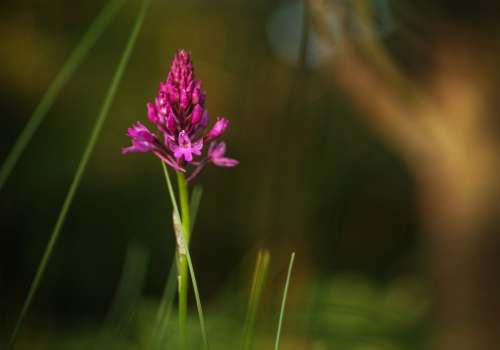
x=120 y=317
x=183 y=247
x=258 y=281
x=251 y=309
x=81 y=168
x=131 y=284
x=75 y=59
x=165 y=309
x=283 y=302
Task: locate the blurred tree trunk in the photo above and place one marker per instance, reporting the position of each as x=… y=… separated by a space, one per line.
x=462 y=247
x=445 y=131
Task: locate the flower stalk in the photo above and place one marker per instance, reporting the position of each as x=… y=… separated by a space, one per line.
x=182 y=265
x=183 y=249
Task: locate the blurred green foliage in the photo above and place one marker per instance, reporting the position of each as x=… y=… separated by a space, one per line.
x=349 y=312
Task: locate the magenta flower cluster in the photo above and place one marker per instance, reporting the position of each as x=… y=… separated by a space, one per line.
x=181 y=120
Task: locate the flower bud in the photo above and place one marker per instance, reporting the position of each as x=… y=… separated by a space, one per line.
x=218 y=128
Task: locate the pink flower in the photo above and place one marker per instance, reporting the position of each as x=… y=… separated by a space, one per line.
x=185 y=148
x=179 y=115
x=142 y=139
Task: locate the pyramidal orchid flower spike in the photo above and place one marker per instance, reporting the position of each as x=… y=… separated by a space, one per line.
x=181 y=120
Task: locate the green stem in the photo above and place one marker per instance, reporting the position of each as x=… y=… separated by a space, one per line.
x=184 y=201
x=165 y=309
x=182 y=260
x=183 y=250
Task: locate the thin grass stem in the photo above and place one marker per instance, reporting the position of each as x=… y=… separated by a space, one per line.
x=170 y=188
x=80 y=170
x=75 y=59
x=198 y=301
x=127 y=297
x=165 y=308
x=283 y=302
x=247 y=329
x=131 y=284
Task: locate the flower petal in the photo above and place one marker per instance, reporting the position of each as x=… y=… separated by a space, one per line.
x=188 y=156
x=225 y=162
x=217 y=150
x=197 y=147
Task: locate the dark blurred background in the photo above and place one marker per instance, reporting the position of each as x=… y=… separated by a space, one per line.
x=314 y=177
